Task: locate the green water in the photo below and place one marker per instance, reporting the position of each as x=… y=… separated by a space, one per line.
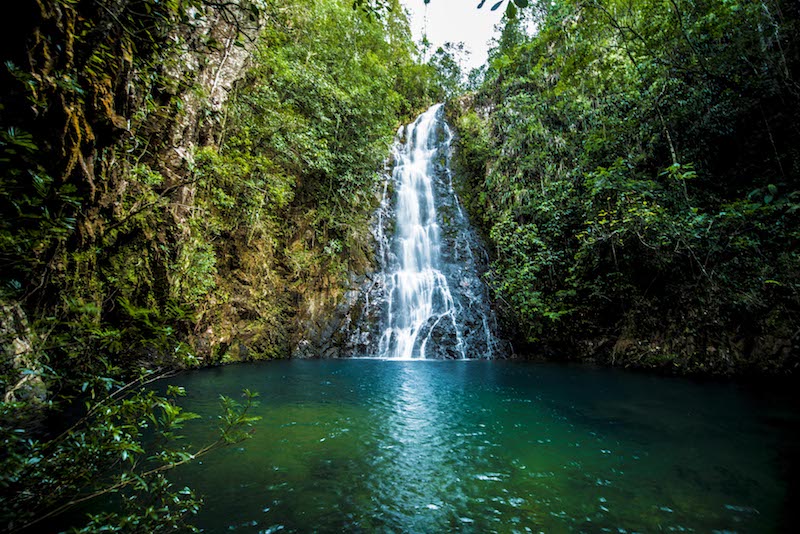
x=481 y=446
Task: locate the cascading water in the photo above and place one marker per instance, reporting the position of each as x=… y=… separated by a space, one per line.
x=434 y=303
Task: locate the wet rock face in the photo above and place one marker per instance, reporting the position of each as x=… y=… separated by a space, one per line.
x=464 y=261
x=343 y=329
x=379 y=314
x=427 y=300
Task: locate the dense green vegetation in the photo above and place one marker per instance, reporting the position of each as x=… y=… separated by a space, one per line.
x=287 y=192
x=190 y=182
x=634 y=165
x=148 y=226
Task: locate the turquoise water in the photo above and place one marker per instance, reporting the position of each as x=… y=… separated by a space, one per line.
x=482 y=446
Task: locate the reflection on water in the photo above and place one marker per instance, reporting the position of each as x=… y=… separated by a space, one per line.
x=411 y=444
x=428 y=446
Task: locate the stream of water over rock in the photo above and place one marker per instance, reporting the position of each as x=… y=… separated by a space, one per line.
x=434 y=304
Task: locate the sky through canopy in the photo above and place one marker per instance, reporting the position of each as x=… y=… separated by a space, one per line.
x=454 y=21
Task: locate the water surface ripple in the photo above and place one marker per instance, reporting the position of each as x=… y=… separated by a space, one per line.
x=490 y=446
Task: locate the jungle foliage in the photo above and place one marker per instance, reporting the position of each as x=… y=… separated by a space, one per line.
x=635 y=166
x=148 y=228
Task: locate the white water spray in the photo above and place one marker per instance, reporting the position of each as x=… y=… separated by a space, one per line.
x=420 y=308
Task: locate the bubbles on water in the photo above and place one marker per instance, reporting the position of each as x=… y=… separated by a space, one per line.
x=741 y=509
x=516 y=502
x=493 y=477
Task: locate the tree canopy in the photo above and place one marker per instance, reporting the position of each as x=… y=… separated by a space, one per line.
x=634 y=166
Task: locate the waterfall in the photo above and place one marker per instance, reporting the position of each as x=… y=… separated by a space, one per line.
x=434 y=303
